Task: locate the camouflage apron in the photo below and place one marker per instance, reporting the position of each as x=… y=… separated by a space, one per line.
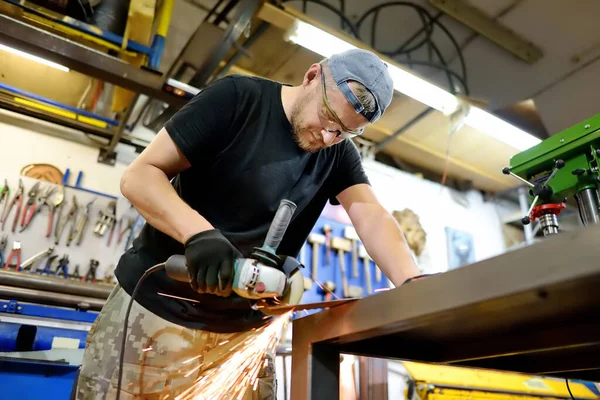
x=155 y=364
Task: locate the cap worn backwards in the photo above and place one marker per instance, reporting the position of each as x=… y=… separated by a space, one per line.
x=367 y=69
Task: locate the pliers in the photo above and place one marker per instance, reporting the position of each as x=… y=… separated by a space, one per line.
x=29 y=208
x=3 y=241
x=91 y=273
x=129 y=227
x=81 y=223
x=18 y=200
x=58 y=201
x=48 y=266
x=71 y=216
x=63 y=266
x=4 y=193
x=16 y=251
x=42 y=202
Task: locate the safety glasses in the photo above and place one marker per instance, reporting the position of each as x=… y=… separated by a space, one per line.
x=332 y=117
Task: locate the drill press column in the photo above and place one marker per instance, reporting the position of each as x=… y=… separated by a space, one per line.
x=589 y=206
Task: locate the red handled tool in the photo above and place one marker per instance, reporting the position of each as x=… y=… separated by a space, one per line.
x=18 y=200
x=16 y=251
x=29 y=208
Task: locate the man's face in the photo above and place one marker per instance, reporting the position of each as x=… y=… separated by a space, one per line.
x=323 y=118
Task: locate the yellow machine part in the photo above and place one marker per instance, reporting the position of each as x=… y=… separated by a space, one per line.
x=440 y=382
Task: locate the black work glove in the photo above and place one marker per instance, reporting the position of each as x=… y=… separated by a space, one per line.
x=210 y=259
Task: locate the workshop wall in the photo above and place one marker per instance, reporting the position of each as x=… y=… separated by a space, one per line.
x=439 y=207
x=22 y=147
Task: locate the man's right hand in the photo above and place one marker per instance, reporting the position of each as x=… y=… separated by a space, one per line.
x=210 y=260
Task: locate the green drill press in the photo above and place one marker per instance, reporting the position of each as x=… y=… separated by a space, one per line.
x=562 y=166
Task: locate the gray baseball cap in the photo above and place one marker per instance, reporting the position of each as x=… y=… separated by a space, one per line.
x=366 y=68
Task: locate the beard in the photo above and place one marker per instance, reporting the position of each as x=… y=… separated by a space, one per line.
x=307 y=139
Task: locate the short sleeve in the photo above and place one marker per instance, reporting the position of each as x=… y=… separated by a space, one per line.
x=347 y=172
x=201 y=128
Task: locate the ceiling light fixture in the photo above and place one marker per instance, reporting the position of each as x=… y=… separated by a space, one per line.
x=326 y=44
x=500 y=129
x=34 y=58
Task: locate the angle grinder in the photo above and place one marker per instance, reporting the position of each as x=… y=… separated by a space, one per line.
x=263 y=275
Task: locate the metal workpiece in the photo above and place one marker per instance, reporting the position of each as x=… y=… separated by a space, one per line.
x=533 y=310
x=589 y=205
x=79 y=57
x=51 y=298
x=58 y=285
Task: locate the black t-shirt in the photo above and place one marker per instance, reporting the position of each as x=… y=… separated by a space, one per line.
x=244 y=161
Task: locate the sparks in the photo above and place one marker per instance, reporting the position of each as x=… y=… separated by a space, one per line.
x=237 y=370
x=326 y=290
x=381 y=290
x=189 y=360
x=223 y=342
x=177 y=297
x=147 y=348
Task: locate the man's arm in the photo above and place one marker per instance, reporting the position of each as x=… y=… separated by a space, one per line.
x=146 y=184
x=379 y=232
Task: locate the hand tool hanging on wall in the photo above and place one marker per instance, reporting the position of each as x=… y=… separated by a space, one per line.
x=29 y=208
x=75 y=275
x=18 y=200
x=315 y=240
x=106 y=221
x=327 y=232
x=30 y=262
x=327 y=290
x=344 y=246
x=16 y=251
x=4 y=197
x=63 y=267
x=70 y=217
x=81 y=223
x=91 y=273
x=3 y=241
x=128 y=228
x=350 y=234
x=47 y=270
x=362 y=252
x=42 y=203
x=55 y=205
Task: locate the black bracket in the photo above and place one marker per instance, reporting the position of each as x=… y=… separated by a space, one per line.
x=107 y=157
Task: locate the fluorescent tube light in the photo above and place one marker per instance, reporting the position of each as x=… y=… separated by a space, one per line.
x=326 y=44
x=34 y=58
x=500 y=129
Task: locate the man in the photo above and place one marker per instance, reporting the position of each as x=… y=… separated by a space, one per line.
x=232 y=153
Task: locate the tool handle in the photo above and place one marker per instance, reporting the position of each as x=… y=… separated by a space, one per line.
x=279 y=225
x=377 y=274
x=50 y=223
x=343 y=271
x=354 y=259
x=176 y=268
x=16 y=220
x=367 y=263
x=315 y=250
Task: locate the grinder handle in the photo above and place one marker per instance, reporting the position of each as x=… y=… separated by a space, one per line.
x=279 y=225
x=176 y=268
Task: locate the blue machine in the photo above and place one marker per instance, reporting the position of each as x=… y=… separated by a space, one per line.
x=41 y=348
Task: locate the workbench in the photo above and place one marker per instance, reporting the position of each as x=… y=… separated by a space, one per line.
x=534 y=310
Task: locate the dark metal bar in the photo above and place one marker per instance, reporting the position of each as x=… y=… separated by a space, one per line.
x=50 y=298
x=124 y=117
x=86 y=60
x=379 y=146
x=50 y=284
x=324 y=372
x=255 y=36
x=223 y=14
